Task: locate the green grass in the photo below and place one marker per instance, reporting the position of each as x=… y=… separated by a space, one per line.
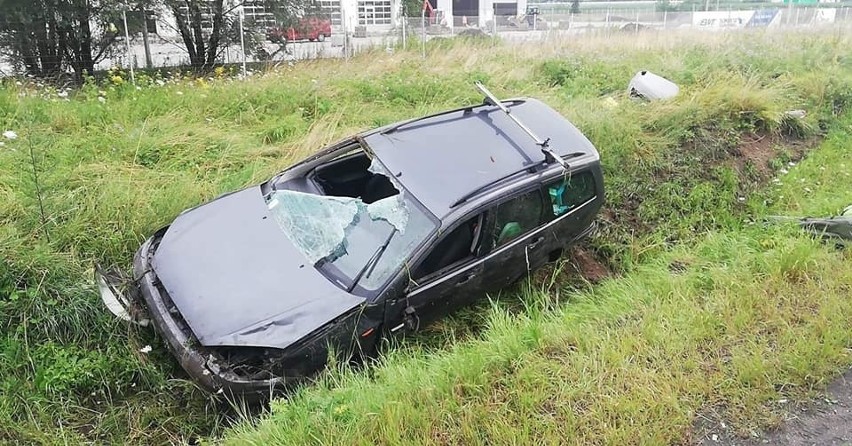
x=755 y=311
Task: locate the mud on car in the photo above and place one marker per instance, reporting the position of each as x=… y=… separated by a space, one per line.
x=377 y=235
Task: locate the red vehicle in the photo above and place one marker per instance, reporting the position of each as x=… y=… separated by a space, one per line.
x=308 y=28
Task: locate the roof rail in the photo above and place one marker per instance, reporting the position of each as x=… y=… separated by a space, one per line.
x=467 y=109
x=530 y=167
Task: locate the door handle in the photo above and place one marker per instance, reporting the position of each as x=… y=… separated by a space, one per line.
x=534 y=243
x=466 y=278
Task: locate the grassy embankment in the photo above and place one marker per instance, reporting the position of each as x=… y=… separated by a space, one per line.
x=710 y=314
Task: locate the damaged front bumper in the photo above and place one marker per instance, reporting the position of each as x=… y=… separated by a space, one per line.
x=203 y=365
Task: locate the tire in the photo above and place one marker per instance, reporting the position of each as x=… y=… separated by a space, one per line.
x=320 y=37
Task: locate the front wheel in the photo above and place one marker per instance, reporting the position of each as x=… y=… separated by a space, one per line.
x=320 y=37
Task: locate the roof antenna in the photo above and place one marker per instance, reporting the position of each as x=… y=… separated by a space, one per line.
x=549 y=155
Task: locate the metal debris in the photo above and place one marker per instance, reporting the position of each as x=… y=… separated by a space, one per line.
x=648 y=85
x=835 y=229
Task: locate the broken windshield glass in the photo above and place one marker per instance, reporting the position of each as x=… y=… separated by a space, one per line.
x=315 y=224
x=342 y=233
x=391 y=209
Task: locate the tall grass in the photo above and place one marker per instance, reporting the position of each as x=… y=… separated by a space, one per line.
x=116 y=163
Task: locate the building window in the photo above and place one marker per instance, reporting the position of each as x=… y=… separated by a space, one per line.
x=256 y=14
x=206 y=15
x=135 y=22
x=374 y=12
x=331 y=9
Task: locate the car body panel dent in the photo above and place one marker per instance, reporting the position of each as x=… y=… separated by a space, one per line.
x=238 y=280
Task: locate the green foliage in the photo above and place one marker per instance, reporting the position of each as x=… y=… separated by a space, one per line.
x=585 y=77
x=286 y=127
x=412 y=8
x=664 y=5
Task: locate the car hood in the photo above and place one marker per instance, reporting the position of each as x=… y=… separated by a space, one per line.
x=237 y=280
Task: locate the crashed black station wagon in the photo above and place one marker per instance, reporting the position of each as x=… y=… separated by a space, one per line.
x=376 y=235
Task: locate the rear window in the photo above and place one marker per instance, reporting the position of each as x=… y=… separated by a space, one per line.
x=570 y=192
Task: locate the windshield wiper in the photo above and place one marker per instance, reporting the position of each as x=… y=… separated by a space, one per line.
x=371 y=264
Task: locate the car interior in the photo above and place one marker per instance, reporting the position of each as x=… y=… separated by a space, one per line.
x=457 y=246
x=348 y=176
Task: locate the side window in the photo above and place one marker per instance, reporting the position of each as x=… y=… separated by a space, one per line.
x=460 y=244
x=516 y=217
x=569 y=192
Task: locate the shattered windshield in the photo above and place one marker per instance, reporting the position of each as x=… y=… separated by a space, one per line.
x=341 y=234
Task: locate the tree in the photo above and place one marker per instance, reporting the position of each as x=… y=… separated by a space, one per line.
x=575 y=6
x=88 y=31
x=207 y=27
x=29 y=37
x=46 y=37
x=189 y=17
x=412 y=8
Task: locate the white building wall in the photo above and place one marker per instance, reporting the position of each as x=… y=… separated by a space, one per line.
x=349 y=12
x=486 y=12
x=167 y=25
x=348 y=9
x=447 y=7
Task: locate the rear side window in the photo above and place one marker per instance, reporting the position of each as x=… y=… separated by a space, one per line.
x=516 y=217
x=569 y=192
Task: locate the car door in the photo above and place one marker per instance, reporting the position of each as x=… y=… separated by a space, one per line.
x=515 y=239
x=571 y=203
x=447 y=277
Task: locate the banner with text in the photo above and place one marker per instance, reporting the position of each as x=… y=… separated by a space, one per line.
x=721 y=19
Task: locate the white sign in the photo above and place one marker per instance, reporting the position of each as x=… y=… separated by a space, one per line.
x=721 y=19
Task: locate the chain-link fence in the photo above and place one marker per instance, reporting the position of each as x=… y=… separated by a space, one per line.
x=159 y=44
x=549 y=21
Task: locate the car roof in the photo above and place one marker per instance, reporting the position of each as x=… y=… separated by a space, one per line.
x=443 y=158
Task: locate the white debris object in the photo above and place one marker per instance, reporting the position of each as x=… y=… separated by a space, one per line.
x=648 y=85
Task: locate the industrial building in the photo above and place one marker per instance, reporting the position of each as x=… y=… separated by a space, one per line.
x=371 y=16
x=367 y=16
x=476 y=13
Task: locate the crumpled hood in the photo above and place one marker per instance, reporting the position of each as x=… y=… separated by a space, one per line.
x=239 y=281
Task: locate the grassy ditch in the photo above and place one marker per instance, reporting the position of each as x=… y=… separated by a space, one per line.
x=114 y=163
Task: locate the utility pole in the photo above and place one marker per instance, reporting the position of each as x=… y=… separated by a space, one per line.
x=149 y=63
x=344 y=25
x=242 y=39
x=127 y=42
x=423 y=29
